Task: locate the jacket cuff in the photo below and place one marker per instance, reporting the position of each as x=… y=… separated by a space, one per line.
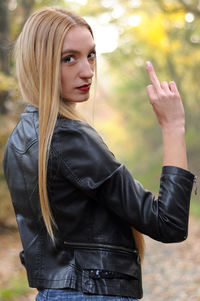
x=173 y=170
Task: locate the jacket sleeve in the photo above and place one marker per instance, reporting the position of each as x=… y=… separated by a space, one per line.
x=88 y=163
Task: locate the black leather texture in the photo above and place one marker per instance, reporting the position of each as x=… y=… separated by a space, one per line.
x=95 y=201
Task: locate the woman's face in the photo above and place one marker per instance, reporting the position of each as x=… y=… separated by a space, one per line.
x=77 y=64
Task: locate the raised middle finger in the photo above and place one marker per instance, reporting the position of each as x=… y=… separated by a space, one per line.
x=152 y=76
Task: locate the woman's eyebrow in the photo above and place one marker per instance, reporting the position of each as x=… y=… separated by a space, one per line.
x=76 y=51
x=70 y=51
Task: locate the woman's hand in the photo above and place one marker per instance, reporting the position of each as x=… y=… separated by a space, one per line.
x=169 y=111
x=166 y=101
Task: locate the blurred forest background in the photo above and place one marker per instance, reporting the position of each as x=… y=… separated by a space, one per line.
x=127 y=33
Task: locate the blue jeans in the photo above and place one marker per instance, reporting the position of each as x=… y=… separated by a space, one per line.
x=72 y=295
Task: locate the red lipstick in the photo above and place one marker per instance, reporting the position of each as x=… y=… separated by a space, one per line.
x=84 y=88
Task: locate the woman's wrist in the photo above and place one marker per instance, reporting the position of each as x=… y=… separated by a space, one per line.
x=174 y=148
x=174 y=130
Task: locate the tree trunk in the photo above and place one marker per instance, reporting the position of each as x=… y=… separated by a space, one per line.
x=4 y=37
x=4 y=49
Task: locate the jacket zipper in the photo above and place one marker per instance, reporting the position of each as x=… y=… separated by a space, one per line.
x=94 y=246
x=195 y=185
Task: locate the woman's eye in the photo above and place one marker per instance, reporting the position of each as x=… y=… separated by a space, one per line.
x=68 y=59
x=92 y=55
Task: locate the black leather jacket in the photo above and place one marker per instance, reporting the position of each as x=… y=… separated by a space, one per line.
x=95 y=201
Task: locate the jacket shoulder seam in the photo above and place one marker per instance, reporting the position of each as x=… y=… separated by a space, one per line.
x=77 y=179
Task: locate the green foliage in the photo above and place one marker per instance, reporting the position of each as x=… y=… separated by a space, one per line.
x=4 y=137
x=7 y=82
x=167 y=33
x=195 y=208
x=17 y=287
x=6 y=210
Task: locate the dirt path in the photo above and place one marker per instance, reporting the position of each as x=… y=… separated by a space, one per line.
x=170 y=272
x=11 y=271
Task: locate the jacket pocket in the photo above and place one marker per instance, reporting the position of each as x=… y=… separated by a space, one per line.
x=126 y=263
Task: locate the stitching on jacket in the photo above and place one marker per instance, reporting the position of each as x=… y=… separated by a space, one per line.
x=35 y=119
x=28 y=147
x=23 y=173
x=81 y=181
x=184 y=177
x=68 y=167
x=172 y=170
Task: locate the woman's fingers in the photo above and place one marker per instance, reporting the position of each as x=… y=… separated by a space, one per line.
x=164 y=85
x=151 y=92
x=156 y=83
x=173 y=88
x=152 y=76
x=165 y=99
x=164 y=92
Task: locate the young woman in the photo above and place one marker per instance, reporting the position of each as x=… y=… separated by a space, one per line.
x=80 y=212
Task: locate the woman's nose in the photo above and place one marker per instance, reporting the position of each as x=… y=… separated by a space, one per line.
x=87 y=69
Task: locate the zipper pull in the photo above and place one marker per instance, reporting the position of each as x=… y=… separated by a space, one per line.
x=195 y=185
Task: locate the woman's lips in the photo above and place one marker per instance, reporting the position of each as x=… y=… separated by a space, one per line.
x=84 y=88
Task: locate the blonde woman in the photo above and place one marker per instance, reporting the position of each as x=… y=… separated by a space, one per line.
x=80 y=212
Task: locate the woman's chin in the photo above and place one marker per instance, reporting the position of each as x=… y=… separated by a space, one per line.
x=76 y=100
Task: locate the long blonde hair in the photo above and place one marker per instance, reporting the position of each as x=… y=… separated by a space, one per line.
x=38 y=54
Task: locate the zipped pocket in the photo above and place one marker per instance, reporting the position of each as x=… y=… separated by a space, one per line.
x=95 y=246
x=195 y=185
x=105 y=257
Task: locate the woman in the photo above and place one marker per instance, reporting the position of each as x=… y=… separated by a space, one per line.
x=75 y=203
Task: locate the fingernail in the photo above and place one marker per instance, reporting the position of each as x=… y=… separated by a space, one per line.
x=148 y=64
